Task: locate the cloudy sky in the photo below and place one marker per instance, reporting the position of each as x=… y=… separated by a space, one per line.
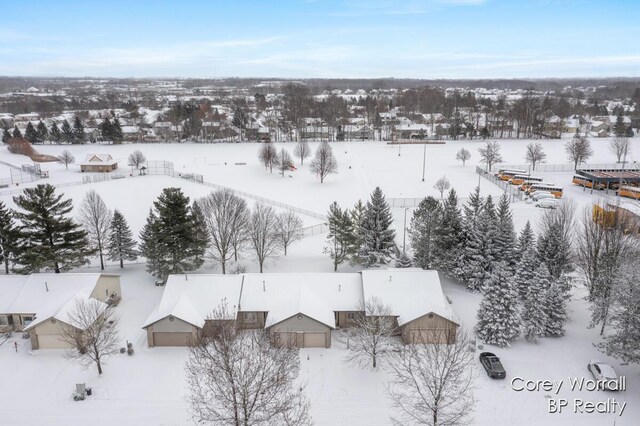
x=322 y=38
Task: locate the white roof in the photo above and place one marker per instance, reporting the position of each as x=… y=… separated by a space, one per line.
x=411 y=293
x=193 y=297
x=10 y=286
x=92 y=159
x=316 y=295
x=62 y=313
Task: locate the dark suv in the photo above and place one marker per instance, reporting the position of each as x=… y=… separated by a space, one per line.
x=492 y=364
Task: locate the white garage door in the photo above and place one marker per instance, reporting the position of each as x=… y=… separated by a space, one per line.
x=315 y=340
x=51 y=341
x=171 y=339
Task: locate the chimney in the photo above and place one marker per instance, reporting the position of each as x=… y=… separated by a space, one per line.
x=390 y=278
x=46 y=286
x=339 y=287
x=186 y=278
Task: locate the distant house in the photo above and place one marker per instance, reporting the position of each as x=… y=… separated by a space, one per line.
x=300 y=309
x=40 y=303
x=351 y=132
x=98 y=163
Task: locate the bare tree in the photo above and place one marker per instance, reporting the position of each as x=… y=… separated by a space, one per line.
x=463 y=155
x=619 y=146
x=490 y=154
x=534 y=154
x=324 y=162
x=95 y=217
x=262 y=232
x=302 y=150
x=284 y=161
x=238 y=378
x=90 y=328
x=226 y=216
x=433 y=384
x=268 y=155
x=369 y=338
x=442 y=185
x=288 y=229
x=66 y=158
x=136 y=159
x=578 y=150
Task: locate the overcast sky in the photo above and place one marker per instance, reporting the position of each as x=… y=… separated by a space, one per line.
x=322 y=38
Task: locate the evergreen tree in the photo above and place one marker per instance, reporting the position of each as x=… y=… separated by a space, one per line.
x=201 y=242
x=120 y=243
x=106 y=129
x=48 y=237
x=31 y=133
x=117 y=133
x=7 y=236
x=555 y=306
x=525 y=271
x=472 y=210
x=340 y=240
x=55 y=134
x=526 y=240
x=449 y=238
x=534 y=316
x=619 y=128
x=357 y=217
x=474 y=206
x=506 y=238
x=169 y=240
x=482 y=250
x=554 y=249
x=378 y=244
x=78 y=131
x=6 y=135
x=43 y=132
x=498 y=320
x=16 y=132
x=424 y=224
x=67 y=132
x=404 y=261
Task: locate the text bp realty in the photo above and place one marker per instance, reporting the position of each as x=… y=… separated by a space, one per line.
x=576 y=405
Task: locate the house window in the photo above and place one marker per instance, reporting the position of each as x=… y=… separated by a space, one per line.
x=27 y=319
x=250 y=317
x=351 y=315
x=4 y=320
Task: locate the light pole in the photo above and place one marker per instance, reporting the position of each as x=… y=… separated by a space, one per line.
x=404 y=230
x=424 y=160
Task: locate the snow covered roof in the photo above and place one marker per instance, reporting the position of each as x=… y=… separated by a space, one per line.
x=411 y=293
x=64 y=311
x=92 y=159
x=10 y=286
x=316 y=295
x=193 y=297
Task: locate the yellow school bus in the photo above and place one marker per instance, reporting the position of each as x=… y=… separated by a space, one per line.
x=587 y=183
x=629 y=192
x=546 y=187
x=520 y=179
x=508 y=174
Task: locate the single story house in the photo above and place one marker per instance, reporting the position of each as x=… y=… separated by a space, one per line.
x=40 y=303
x=301 y=309
x=101 y=163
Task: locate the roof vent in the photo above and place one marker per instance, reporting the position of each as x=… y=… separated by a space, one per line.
x=186 y=277
x=46 y=286
x=390 y=278
x=264 y=288
x=339 y=287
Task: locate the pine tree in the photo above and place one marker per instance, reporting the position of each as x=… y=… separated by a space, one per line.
x=31 y=133
x=169 y=239
x=341 y=237
x=526 y=240
x=472 y=210
x=619 y=128
x=506 y=238
x=54 y=133
x=43 y=133
x=498 y=320
x=555 y=306
x=78 y=131
x=474 y=205
x=117 y=133
x=106 y=129
x=48 y=237
x=525 y=271
x=378 y=244
x=201 y=242
x=424 y=224
x=120 y=243
x=534 y=316
x=6 y=135
x=482 y=250
x=16 y=132
x=404 y=261
x=449 y=238
x=357 y=217
x=67 y=132
x=7 y=236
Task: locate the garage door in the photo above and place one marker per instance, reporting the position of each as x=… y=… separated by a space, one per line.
x=171 y=339
x=315 y=340
x=51 y=341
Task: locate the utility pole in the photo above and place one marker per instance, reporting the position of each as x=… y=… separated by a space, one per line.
x=424 y=160
x=404 y=230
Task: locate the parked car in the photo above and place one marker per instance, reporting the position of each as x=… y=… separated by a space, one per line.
x=492 y=365
x=541 y=195
x=605 y=372
x=547 y=203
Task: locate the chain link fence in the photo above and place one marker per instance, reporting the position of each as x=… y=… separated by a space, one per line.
x=513 y=192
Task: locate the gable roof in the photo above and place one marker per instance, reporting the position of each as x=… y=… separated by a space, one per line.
x=193 y=297
x=91 y=159
x=63 y=312
x=410 y=292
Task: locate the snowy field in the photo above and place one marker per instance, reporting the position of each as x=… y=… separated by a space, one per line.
x=148 y=388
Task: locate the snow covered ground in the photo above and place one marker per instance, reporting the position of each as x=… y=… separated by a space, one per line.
x=148 y=388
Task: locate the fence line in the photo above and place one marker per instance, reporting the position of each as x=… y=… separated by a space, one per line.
x=413 y=202
x=513 y=191
x=321 y=228
x=549 y=168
